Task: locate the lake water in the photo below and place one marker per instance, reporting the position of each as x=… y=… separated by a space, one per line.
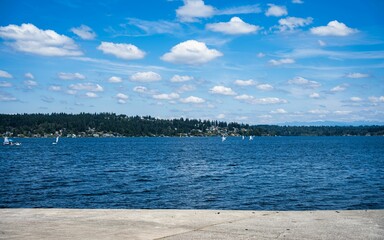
x=268 y=173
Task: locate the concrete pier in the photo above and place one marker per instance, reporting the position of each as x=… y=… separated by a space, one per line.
x=189 y=224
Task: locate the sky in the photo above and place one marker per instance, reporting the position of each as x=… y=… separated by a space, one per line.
x=254 y=62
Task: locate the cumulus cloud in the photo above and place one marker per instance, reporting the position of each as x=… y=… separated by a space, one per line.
x=374 y=99
x=249 y=82
x=333 y=28
x=279 y=111
x=357 y=75
x=114 y=79
x=281 y=61
x=87 y=87
x=191 y=52
x=140 y=89
x=30 y=84
x=356 y=99
x=339 y=88
x=4 y=74
x=318 y=111
x=222 y=90
x=145 y=77
x=314 y=95
x=276 y=11
x=186 y=88
x=165 y=96
x=29 y=76
x=233 y=27
x=192 y=99
x=192 y=10
x=70 y=76
x=54 y=88
x=264 y=87
x=84 y=32
x=28 y=38
x=253 y=100
x=304 y=82
x=178 y=78
x=91 y=95
x=122 y=98
x=291 y=23
x=121 y=50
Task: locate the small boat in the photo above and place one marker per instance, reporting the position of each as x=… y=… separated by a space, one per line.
x=56 y=141
x=9 y=142
x=250 y=138
x=223 y=138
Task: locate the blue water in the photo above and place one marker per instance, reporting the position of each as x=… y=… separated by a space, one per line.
x=268 y=173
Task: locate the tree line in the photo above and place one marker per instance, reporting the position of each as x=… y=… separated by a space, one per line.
x=111 y=124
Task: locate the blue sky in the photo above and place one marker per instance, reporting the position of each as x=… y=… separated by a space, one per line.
x=257 y=62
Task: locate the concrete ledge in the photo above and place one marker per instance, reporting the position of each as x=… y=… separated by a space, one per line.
x=189 y=224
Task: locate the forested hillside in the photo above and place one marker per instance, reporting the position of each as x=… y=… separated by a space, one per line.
x=113 y=125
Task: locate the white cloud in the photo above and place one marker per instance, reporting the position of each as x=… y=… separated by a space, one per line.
x=122 y=98
x=314 y=95
x=30 y=84
x=4 y=74
x=28 y=38
x=87 y=87
x=84 y=32
x=155 y=27
x=260 y=55
x=333 y=28
x=233 y=27
x=91 y=95
x=253 y=100
x=54 y=88
x=178 y=78
x=186 y=88
x=191 y=52
x=265 y=87
x=140 y=89
x=297 y=1
x=222 y=90
x=145 y=77
x=220 y=116
x=290 y=23
x=165 y=96
x=279 y=111
x=249 y=82
x=276 y=11
x=5 y=97
x=374 y=99
x=192 y=99
x=318 y=111
x=338 y=88
x=356 y=99
x=342 y=112
x=5 y=84
x=322 y=43
x=357 y=75
x=193 y=10
x=239 y=10
x=281 y=61
x=304 y=82
x=114 y=79
x=70 y=76
x=29 y=75
x=121 y=50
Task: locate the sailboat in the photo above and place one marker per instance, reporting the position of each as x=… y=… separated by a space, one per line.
x=9 y=142
x=56 y=141
x=223 y=138
x=250 y=138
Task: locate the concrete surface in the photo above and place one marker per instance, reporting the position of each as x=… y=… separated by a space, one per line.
x=189 y=224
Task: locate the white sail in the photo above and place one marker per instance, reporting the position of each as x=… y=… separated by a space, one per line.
x=6 y=141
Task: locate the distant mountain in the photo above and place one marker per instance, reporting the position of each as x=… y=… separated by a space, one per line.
x=333 y=123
